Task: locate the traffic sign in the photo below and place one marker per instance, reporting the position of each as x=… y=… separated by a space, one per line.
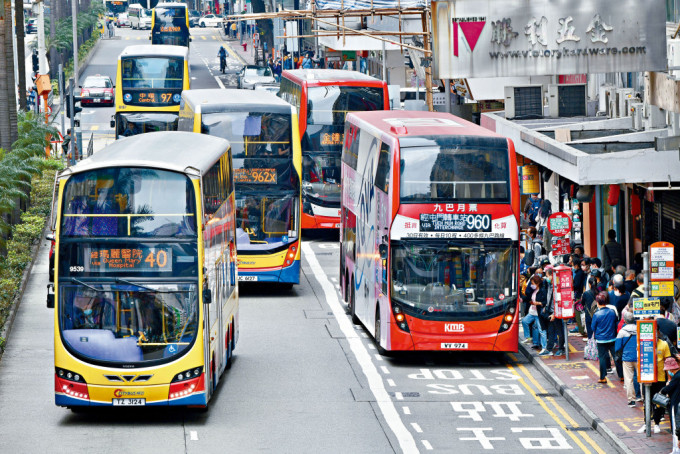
x=661 y=261
x=646 y=336
x=559 y=224
x=560 y=246
x=661 y=288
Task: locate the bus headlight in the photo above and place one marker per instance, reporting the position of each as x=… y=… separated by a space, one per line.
x=508 y=317
x=188 y=374
x=68 y=375
x=400 y=317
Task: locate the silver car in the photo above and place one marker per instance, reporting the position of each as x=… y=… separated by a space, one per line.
x=252 y=75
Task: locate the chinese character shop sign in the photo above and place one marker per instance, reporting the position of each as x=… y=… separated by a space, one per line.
x=491 y=38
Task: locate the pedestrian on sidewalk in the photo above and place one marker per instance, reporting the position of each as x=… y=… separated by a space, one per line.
x=672 y=390
x=531 y=207
x=626 y=343
x=535 y=326
x=555 y=326
x=612 y=251
x=618 y=296
x=662 y=352
x=578 y=282
x=604 y=331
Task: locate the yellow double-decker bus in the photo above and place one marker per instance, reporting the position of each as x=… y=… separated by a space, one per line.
x=170 y=24
x=149 y=84
x=263 y=133
x=146 y=289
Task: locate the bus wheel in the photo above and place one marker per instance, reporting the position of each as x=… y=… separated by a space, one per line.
x=230 y=346
x=351 y=306
x=381 y=350
x=286 y=285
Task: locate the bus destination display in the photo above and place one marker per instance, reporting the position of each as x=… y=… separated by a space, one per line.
x=152 y=98
x=447 y=222
x=255 y=175
x=135 y=260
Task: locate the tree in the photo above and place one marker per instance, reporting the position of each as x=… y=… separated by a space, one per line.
x=21 y=54
x=8 y=106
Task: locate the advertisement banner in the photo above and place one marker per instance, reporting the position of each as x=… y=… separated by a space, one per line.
x=530 y=183
x=509 y=38
x=646 y=336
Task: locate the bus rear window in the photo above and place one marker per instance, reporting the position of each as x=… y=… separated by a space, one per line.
x=328 y=105
x=128 y=202
x=455 y=168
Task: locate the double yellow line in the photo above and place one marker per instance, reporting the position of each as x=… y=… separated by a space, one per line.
x=561 y=422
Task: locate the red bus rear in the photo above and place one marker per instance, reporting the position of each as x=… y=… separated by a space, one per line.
x=323 y=98
x=429 y=231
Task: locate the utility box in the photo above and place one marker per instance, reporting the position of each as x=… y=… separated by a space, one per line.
x=567 y=100
x=524 y=102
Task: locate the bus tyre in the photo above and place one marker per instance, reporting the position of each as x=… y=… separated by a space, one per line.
x=381 y=350
x=286 y=285
x=351 y=306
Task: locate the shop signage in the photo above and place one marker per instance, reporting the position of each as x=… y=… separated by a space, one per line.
x=530 y=182
x=561 y=246
x=559 y=224
x=646 y=307
x=646 y=336
x=491 y=38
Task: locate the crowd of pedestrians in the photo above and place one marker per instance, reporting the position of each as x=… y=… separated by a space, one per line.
x=604 y=289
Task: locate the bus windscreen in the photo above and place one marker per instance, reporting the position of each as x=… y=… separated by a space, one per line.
x=170 y=26
x=152 y=81
x=461 y=279
x=128 y=202
x=326 y=110
x=454 y=169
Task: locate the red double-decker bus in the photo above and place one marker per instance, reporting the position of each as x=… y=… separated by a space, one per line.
x=323 y=98
x=429 y=232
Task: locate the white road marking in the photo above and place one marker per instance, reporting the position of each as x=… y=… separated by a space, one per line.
x=333 y=279
x=407 y=411
x=219 y=82
x=427 y=445
x=193 y=435
x=385 y=370
x=378 y=357
x=399 y=396
x=375 y=382
x=416 y=427
x=371 y=347
x=391 y=382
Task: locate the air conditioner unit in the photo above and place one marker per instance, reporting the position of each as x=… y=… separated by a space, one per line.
x=622 y=94
x=524 y=102
x=636 y=111
x=603 y=105
x=674 y=58
x=612 y=106
x=567 y=100
x=653 y=117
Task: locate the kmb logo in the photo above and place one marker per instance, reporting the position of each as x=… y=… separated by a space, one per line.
x=454 y=327
x=471 y=27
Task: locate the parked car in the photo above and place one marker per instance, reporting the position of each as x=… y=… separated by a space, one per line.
x=97 y=90
x=32 y=26
x=252 y=75
x=210 y=20
x=194 y=17
x=123 y=20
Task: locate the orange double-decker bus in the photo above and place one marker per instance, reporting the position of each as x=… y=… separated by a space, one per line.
x=323 y=98
x=429 y=258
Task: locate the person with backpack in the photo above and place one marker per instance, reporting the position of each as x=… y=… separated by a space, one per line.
x=625 y=348
x=531 y=208
x=535 y=251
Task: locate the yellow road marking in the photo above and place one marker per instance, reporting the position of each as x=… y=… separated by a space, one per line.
x=204 y=37
x=127 y=38
x=94 y=127
x=214 y=37
x=542 y=403
x=625 y=427
x=572 y=349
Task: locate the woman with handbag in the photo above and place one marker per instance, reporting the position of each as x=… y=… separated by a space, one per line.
x=589 y=306
x=672 y=390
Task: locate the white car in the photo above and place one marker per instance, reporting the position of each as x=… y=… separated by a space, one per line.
x=210 y=20
x=252 y=75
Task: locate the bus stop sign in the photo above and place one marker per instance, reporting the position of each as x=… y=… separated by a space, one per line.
x=559 y=224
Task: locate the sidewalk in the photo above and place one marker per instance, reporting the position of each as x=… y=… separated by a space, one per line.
x=235 y=49
x=607 y=407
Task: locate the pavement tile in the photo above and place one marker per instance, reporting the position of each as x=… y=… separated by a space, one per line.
x=607 y=401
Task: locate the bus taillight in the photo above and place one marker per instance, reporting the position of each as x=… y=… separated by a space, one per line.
x=290 y=255
x=186 y=383
x=70 y=384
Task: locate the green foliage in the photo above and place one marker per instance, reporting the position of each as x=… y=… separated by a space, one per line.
x=24 y=236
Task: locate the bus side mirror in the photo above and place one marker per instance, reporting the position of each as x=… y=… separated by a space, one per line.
x=207 y=296
x=382 y=249
x=113 y=122
x=49 y=237
x=50 y=296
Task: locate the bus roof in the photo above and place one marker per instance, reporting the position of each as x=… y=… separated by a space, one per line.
x=329 y=76
x=167 y=150
x=405 y=123
x=220 y=100
x=155 y=50
x=171 y=5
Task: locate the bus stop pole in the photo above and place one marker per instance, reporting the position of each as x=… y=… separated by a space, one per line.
x=566 y=338
x=648 y=386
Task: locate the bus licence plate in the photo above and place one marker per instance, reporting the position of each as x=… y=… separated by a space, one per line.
x=128 y=402
x=247 y=278
x=454 y=346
